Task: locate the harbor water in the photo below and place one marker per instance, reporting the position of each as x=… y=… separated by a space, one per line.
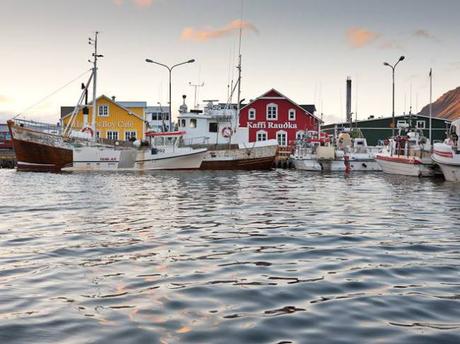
x=228 y=257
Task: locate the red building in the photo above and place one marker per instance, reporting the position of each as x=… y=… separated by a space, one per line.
x=275 y=116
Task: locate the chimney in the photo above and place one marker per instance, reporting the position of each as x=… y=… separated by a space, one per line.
x=113 y=98
x=349 y=114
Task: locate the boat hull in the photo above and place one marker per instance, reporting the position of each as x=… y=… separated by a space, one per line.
x=336 y=165
x=254 y=158
x=95 y=159
x=39 y=152
x=448 y=160
x=407 y=166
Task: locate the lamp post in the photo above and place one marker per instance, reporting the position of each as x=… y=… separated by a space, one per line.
x=393 y=67
x=170 y=71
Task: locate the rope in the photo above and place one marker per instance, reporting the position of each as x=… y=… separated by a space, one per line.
x=52 y=94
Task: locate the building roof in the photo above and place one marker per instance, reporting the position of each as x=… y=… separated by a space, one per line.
x=311 y=108
x=132 y=104
x=274 y=94
x=71 y=108
x=405 y=116
x=157 y=108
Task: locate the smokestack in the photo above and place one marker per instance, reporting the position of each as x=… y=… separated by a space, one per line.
x=349 y=114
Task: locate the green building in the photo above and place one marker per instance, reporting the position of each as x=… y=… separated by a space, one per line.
x=375 y=130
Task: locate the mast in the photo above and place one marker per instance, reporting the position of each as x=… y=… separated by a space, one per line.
x=238 y=106
x=93 y=41
x=431 y=102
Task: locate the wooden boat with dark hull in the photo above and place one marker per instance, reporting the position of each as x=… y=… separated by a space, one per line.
x=38 y=151
x=242 y=164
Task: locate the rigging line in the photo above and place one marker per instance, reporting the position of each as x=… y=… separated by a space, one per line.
x=52 y=94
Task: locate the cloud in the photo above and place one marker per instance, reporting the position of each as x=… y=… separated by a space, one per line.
x=203 y=35
x=359 y=37
x=137 y=3
x=4 y=99
x=420 y=33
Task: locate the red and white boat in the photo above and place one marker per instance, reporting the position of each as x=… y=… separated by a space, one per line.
x=447 y=154
x=407 y=154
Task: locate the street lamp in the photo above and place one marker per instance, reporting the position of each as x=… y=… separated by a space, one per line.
x=393 y=67
x=170 y=71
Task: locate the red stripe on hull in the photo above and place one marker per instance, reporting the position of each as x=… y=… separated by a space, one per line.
x=37 y=157
x=401 y=160
x=242 y=164
x=444 y=154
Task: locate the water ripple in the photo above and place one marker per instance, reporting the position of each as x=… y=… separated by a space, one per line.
x=218 y=257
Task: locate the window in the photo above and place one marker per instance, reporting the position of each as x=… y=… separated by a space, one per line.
x=213 y=127
x=193 y=123
x=291 y=114
x=299 y=135
x=272 y=112
x=98 y=134
x=401 y=123
x=130 y=136
x=112 y=135
x=154 y=116
x=261 y=135
x=281 y=137
x=103 y=111
x=252 y=114
x=183 y=123
x=421 y=124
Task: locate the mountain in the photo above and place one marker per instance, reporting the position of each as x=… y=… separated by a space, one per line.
x=447 y=106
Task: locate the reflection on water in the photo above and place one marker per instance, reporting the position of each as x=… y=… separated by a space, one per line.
x=224 y=257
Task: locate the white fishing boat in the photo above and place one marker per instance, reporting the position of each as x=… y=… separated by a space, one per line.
x=162 y=151
x=408 y=153
x=447 y=154
x=318 y=154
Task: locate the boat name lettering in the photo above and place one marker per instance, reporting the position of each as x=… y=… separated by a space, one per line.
x=108 y=159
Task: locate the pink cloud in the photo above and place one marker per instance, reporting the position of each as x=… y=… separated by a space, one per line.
x=205 y=34
x=137 y=3
x=143 y=3
x=359 y=37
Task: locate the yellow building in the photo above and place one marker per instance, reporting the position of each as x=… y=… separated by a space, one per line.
x=114 y=120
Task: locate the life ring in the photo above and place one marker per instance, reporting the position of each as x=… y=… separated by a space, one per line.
x=88 y=130
x=227 y=132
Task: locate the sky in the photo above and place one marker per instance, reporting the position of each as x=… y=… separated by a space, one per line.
x=303 y=48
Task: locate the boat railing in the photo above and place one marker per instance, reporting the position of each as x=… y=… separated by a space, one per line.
x=39 y=126
x=201 y=140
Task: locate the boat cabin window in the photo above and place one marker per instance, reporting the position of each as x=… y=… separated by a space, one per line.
x=213 y=127
x=164 y=141
x=183 y=123
x=401 y=123
x=193 y=123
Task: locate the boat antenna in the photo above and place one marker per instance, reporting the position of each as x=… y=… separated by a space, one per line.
x=238 y=105
x=93 y=41
x=195 y=86
x=431 y=101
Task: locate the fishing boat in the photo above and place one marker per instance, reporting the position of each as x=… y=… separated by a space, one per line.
x=317 y=153
x=447 y=154
x=215 y=128
x=408 y=153
x=160 y=152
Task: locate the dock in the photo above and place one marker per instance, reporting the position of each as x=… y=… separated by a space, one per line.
x=7 y=158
